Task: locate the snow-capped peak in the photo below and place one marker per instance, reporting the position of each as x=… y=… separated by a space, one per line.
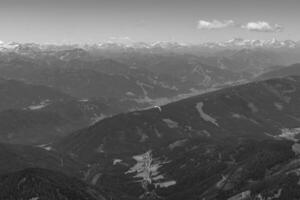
x=236 y=43
x=233 y=43
x=9 y=45
x=246 y=43
x=166 y=44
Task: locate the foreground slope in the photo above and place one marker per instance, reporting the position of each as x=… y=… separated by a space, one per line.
x=41 y=184
x=42 y=173
x=211 y=146
x=18 y=157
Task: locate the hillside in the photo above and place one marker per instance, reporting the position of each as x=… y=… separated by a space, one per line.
x=234 y=135
x=292 y=70
x=35 y=183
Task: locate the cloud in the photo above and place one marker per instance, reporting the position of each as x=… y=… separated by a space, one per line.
x=262 y=26
x=259 y=26
x=215 y=24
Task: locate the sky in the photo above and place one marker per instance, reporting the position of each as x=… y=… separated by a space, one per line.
x=192 y=21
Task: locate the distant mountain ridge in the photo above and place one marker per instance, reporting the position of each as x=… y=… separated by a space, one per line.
x=282 y=72
x=233 y=43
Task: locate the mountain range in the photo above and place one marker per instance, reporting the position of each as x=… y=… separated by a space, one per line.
x=233 y=43
x=165 y=121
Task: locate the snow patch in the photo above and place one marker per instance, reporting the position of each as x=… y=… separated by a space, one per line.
x=158 y=107
x=278 y=194
x=130 y=94
x=97 y=118
x=159 y=177
x=241 y=196
x=237 y=116
x=296 y=148
x=278 y=106
x=95 y=179
x=171 y=123
x=268 y=134
x=206 y=133
x=34 y=198
x=146 y=170
x=157 y=133
x=116 y=161
x=47 y=147
x=165 y=184
x=83 y=100
x=290 y=133
x=41 y=105
x=143 y=136
x=100 y=149
x=222 y=182
x=205 y=116
x=252 y=107
x=178 y=143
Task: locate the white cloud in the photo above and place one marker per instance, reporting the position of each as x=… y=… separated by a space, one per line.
x=262 y=26
x=259 y=26
x=215 y=24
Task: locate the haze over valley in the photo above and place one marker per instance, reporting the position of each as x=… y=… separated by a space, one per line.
x=150 y=100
